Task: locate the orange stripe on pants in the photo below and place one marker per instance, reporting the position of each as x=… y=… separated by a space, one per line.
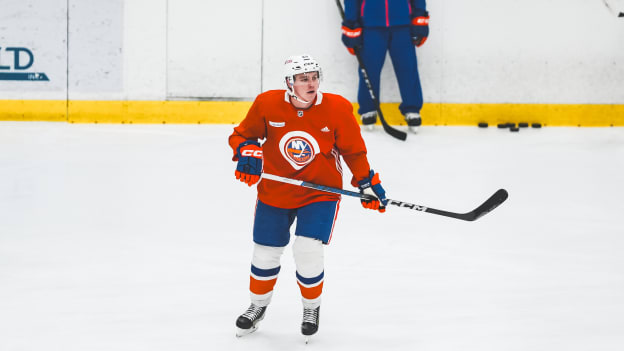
x=311 y=293
x=261 y=287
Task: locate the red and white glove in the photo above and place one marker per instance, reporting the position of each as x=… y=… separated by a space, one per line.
x=420 y=27
x=249 y=167
x=351 y=35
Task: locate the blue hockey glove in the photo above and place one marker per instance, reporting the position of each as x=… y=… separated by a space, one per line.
x=351 y=35
x=372 y=186
x=249 y=167
x=420 y=27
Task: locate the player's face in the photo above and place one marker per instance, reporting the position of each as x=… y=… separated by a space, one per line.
x=306 y=85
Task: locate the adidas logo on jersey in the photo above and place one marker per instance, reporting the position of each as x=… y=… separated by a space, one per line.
x=325 y=129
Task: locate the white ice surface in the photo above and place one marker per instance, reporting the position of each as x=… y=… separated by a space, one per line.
x=138 y=237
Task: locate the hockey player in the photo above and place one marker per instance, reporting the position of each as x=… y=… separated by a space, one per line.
x=375 y=27
x=306 y=132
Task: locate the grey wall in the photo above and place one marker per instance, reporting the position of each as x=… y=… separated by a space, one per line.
x=531 y=51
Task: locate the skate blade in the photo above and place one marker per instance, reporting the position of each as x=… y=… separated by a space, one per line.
x=368 y=127
x=242 y=332
x=307 y=338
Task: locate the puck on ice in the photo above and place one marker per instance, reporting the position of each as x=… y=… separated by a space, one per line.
x=514 y=129
x=483 y=125
x=536 y=125
x=523 y=124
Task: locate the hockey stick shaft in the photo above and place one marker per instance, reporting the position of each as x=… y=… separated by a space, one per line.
x=392 y=131
x=490 y=204
x=612 y=8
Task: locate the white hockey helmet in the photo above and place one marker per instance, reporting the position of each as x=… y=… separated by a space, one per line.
x=296 y=65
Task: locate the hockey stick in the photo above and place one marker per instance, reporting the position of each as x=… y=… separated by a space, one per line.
x=392 y=131
x=490 y=204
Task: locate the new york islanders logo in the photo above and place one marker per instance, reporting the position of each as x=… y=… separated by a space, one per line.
x=298 y=148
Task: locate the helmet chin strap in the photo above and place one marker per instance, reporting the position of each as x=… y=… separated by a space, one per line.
x=298 y=98
x=291 y=92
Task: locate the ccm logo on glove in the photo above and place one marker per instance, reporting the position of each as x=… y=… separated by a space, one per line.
x=252 y=153
x=249 y=167
x=421 y=21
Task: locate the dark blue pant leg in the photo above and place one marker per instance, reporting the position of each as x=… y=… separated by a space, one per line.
x=403 y=56
x=373 y=53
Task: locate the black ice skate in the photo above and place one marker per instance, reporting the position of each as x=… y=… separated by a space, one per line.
x=310 y=323
x=368 y=120
x=247 y=322
x=413 y=121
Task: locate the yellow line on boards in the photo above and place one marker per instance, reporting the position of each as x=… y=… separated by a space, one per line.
x=232 y=112
x=33 y=110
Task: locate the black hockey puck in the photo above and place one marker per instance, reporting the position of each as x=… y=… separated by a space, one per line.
x=523 y=124
x=514 y=129
x=483 y=125
x=536 y=125
x=511 y=125
x=503 y=125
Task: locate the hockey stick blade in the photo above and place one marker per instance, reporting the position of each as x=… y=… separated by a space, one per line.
x=490 y=204
x=387 y=128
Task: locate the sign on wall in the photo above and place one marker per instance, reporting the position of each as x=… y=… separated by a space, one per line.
x=33 y=49
x=19 y=64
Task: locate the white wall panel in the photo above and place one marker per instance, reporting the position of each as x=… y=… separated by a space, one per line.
x=214 y=48
x=145 y=49
x=553 y=51
x=96 y=49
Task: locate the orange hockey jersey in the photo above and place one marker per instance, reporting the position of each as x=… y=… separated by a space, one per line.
x=303 y=144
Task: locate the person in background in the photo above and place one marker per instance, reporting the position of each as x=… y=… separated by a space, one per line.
x=374 y=27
